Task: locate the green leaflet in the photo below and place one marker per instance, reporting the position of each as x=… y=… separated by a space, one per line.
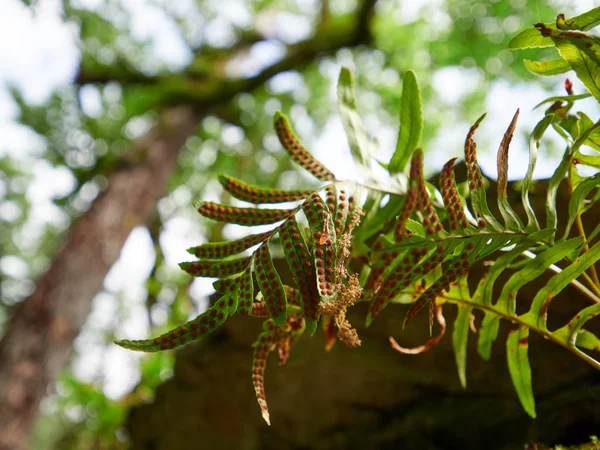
x=205 y=323
x=581 y=52
x=557 y=177
x=578 y=197
x=535 y=268
x=411 y=123
x=511 y=219
x=558 y=282
x=485 y=287
x=517 y=345
x=534 y=145
x=488 y=332
x=360 y=144
x=532 y=38
x=298 y=153
x=242 y=216
x=562 y=98
x=217 y=250
x=270 y=284
x=460 y=336
x=255 y=194
x=547 y=68
x=588 y=340
x=587 y=160
x=593 y=138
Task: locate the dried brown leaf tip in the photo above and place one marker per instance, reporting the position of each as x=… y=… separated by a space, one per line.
x=217 y=250
x=299 y=154
x=502 y=156
x=255 y=194
x=273 y=337
x=432 y=342
x=242 y=216
x=456 y=216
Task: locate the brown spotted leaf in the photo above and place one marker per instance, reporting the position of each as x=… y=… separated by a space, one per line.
x=217 y=250
x=202 y=325
x=242 y=216
x=215 y=268
x=300 y=260
x=255 y=194
x=270 y=284
x=299 y=154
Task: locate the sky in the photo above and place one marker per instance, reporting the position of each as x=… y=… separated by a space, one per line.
x=46 y=58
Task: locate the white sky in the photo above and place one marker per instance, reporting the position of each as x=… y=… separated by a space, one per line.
x=39 y=53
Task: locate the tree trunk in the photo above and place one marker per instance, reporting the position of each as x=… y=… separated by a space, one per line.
x=41 y=332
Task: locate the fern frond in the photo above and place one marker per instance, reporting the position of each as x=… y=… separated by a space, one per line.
x=255 y=194
x=298 y=153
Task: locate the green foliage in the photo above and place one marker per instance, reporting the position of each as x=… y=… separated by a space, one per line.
x=415 y=245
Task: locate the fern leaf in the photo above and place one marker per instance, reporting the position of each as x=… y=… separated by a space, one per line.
x=270 y=284
x=202 y=325
x=299 y=258
x=242 y=216
x=476 y=184
x=457 y=221
x=271 y=337
x=517 y=345
x=216 y=268
x=534 y=269
x=558 y=282
x=255 y=194
x=298 y=153
x=534 y=144
x=218 y=250
x=511 y=219
x=245 y=292
x=325 y=250
x=460 y=336
x=488 y=332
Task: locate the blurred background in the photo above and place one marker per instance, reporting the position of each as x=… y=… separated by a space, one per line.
x=116 y=115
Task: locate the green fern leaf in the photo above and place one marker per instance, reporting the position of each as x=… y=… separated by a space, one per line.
x=517 y=345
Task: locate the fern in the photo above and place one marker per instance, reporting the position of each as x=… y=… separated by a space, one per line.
x=415 y=246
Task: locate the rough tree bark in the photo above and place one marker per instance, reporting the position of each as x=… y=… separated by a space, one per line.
x=40 y=335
